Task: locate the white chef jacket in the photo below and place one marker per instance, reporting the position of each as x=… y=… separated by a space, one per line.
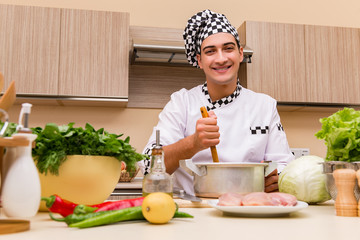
x=249 y=126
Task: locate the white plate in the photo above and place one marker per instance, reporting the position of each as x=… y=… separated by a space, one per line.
x=258 y=211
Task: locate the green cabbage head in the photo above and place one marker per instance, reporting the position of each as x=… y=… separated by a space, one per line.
x=303 y=178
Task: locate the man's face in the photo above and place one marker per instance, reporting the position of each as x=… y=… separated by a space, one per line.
x=220 y=58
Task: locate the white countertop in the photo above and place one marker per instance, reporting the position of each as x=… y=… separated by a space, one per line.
x=315 y=222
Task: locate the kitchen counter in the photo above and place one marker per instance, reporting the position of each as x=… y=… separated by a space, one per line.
x=314 y=222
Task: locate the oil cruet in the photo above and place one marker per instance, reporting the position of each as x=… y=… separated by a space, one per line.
x=21 y=190
x=158 y=180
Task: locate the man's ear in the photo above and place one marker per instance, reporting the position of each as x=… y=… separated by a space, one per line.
x=199 y=60
x=241 y=51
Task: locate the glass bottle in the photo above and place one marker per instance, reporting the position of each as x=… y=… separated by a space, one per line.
x=157 y=180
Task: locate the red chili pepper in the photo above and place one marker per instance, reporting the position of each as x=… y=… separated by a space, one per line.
x=121 y=204
x=101 y=204
x=56 y=204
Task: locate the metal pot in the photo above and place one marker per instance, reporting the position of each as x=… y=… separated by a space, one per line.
x=213 y=179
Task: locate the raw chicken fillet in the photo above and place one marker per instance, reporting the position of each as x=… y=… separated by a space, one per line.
x=257 y=199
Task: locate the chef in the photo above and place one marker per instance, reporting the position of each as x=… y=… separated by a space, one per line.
x=242 y=124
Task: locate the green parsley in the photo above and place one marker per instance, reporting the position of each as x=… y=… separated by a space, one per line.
x=54 y=143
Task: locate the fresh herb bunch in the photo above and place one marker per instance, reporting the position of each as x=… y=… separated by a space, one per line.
x=10 y=130
x=54 y=143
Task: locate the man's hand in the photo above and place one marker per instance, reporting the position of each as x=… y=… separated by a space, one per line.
x=271 y=182
x=207 y=132
x=206 y=135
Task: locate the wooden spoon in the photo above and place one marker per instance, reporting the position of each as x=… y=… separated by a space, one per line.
x=214 y=154
x=9 y=97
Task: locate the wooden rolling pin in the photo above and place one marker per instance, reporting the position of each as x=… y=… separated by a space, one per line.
x=345 y=203
x=214 y=154
x=358 y=181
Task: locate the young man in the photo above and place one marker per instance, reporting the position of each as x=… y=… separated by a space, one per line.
x=243 y=125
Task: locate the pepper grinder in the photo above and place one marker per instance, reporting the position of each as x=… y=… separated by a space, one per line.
x=345 y=203
x=358 y=178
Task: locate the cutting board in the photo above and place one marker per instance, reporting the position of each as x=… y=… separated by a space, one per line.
x=188 y=204
x=13 y=226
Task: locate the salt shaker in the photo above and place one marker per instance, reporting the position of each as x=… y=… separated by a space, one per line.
x=345 y=203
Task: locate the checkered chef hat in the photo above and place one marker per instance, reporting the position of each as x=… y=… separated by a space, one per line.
x=199 y=27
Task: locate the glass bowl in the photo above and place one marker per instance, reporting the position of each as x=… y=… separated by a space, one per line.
x=329 y=167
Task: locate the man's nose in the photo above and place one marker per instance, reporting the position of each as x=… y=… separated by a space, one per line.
x=221 y=57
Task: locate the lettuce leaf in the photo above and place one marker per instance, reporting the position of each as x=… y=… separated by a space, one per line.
x=54 y=143
x=341 y=132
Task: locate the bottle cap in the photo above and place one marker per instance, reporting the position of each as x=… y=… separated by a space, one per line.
x=24 y=117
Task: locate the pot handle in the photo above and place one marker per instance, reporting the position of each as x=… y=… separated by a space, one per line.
x=191 y=168
x=270 y=167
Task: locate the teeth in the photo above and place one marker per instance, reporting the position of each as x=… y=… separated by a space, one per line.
x=222 y=68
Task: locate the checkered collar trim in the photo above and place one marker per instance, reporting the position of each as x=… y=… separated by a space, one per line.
x=221 y=102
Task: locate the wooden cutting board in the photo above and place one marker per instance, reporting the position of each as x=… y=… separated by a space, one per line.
x=188 y=204
x=13 y=226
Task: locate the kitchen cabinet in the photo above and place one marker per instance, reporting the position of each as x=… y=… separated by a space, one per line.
x=302 y=63
x=333 y=64
x=29 y=48
x=65 y=55
x=94 y=54
x=277 y=67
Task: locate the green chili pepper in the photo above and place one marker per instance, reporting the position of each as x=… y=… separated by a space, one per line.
x=74 y=218
x=82 y=209
x=182 y=215
x=108 y=217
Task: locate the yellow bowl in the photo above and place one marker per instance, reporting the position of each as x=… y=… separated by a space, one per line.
x=82 y=179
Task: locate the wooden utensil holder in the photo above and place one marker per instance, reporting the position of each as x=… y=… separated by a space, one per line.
x=345 y=203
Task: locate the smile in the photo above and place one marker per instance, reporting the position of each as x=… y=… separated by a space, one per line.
x=222 y=68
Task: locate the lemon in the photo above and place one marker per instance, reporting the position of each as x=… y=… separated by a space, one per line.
x=158 y=207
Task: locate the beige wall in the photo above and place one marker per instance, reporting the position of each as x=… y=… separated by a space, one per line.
x=165 y=13
x=137 y=123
